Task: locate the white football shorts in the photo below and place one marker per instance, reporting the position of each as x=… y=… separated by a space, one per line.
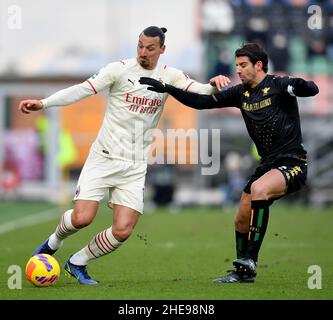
x=125 y=181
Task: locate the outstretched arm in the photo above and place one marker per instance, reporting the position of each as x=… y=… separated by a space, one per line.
x=299 y=87
x=61 y=98
x=93 y=85
x=191 y=99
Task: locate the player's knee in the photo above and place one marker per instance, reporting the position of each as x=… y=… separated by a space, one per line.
x=258 y=191
x=121 y=233
x=81 y=220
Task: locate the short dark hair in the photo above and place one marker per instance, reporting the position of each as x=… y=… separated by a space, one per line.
x=154 y=31
x=255 y=53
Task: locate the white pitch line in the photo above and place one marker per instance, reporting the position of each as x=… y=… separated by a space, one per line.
x=30 y=220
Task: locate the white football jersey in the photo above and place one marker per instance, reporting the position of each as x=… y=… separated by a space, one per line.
x=132 y=111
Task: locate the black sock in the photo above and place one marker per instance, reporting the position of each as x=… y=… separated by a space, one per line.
x=241 y=244
x=258 y=225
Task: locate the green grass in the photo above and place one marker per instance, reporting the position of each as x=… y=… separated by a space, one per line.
x=177 y=255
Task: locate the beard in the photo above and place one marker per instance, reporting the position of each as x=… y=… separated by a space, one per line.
x=144 y=62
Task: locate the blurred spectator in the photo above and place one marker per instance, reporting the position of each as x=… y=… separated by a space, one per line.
x=218 y=21
x=328 y=28
x=217 y=16
x=240 y=15
x=162 y=178
x=257 y=24
x=163 y=183
x=223 y=65
x=26 y=157
x=298 y=17
x=10 y=178
x=266 y=26
x=235 y=178
x=278 y=42
x=278 y=52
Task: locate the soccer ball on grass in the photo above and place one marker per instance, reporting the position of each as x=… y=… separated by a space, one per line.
x=42 y=270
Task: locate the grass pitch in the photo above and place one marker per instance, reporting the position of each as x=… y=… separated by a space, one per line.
x=175 y=255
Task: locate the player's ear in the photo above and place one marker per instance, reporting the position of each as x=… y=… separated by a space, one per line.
x=259 y=65
x=162 y=49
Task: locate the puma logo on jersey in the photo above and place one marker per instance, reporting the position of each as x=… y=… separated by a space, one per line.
x=131 y=81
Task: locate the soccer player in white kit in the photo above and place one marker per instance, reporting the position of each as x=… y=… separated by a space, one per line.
x=117 y=160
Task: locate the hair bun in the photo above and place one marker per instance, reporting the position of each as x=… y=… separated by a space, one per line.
x=164 y=30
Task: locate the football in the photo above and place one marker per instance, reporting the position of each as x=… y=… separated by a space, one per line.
x=42 y=270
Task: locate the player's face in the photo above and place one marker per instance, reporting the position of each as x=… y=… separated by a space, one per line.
x=149 y=51
x=247 y=72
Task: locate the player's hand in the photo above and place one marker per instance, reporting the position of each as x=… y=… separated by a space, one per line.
x=219 y=82
x=154 y=85
x=30 y=105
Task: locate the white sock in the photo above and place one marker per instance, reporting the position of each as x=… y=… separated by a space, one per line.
x=64 y=229
x=102 y=244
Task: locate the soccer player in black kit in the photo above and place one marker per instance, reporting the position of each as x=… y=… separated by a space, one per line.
x=269 y=108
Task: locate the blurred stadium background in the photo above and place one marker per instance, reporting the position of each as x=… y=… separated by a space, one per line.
x=46 y=46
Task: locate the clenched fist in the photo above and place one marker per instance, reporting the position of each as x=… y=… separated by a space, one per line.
x=30 y=105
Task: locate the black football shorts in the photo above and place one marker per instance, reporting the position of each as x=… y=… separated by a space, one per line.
x=293 y=170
